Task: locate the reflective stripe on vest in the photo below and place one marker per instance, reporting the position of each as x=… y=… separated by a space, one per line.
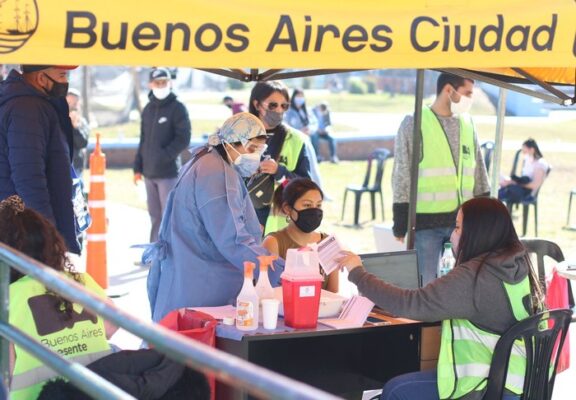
x=289 y=155
x=81 y=339
x=442 y=185
x=466 y=351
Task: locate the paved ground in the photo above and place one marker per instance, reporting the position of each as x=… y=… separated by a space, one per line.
x=129 y=226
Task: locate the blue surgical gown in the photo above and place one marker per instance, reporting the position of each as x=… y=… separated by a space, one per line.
x=209 y=228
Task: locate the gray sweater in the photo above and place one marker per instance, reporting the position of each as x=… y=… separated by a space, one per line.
x=472 y=290
x=402 y=168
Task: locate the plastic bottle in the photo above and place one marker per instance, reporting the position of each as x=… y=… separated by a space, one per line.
x=247 y=303
x=447 y=261
x=263 y=287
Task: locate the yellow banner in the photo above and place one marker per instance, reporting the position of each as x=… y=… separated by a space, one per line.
x=290 y=34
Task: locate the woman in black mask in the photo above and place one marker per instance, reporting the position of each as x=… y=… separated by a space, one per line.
x=299 y=201
x=285 y=157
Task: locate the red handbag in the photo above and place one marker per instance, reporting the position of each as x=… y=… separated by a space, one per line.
x=195 y=325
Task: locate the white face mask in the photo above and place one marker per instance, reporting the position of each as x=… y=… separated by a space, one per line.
x=462 y=107
x=246 y=164
x=161 y=93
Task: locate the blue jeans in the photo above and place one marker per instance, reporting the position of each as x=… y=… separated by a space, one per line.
x=316 y=137
x=429 y=247
x=417 y=385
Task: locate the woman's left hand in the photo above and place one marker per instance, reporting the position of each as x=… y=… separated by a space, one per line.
x=268 y=167
x=348 y=260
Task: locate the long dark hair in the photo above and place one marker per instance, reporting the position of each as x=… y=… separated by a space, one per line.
x=262 y=90
x=32 y=234
x=531 y=144
x=301 y=111
x=487 y=228
x=290 y=191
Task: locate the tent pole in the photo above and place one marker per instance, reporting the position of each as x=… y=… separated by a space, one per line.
x=416 y=144
x=501 y=114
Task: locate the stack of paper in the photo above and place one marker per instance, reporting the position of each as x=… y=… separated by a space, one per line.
x=329 y=250
x=353 y=314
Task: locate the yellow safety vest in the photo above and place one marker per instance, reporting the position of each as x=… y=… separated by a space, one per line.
x=466 y=351
x=82 y=339
x=444 y=184
x=289 y=158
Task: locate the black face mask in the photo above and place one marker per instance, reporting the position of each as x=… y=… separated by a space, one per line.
x=59 y=89
x=309 y=219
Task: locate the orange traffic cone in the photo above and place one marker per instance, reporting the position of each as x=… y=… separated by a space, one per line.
x=96 y=260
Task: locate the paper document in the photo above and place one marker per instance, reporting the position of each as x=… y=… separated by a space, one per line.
x=220 y=312
x=329 y=250
x=353 y=315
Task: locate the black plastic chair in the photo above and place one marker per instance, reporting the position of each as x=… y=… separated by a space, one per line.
x=533 y=201
x=542 y=248
x=378 y=157
x=487 y=152
x=572 y=193
x=541 y=353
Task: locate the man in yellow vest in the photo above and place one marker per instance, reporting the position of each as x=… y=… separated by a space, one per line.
x=451 y=170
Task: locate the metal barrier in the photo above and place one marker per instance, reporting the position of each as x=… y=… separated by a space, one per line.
x=232 y=370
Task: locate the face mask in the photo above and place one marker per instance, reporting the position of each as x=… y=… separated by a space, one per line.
x=462 y=107
x=299 y=101
x=309 y=219
x=247 y=164
x=161 y=93
x=455 y=240
x=273 y=118
x=58 y=89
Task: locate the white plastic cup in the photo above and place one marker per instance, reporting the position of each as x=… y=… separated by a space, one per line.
x=270 y=313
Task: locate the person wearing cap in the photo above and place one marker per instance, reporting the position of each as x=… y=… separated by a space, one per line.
x=210 y=227
x=164 y=133
x=80 y=130
x=36 y=145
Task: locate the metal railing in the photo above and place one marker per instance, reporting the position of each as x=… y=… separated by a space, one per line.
x=232 y=370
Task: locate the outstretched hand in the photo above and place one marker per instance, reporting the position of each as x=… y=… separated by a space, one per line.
x=348 y=260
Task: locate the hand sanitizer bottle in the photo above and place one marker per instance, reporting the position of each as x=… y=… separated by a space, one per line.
x=263 y=286
x=247 y=303
x=447 y=261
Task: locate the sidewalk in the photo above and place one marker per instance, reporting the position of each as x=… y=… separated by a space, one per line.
x=129 y=226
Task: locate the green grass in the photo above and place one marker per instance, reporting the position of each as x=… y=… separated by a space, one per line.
x=553 y=199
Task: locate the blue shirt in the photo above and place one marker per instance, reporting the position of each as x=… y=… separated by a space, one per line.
x=209 y=228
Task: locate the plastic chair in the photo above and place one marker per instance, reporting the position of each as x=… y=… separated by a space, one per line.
x=532 y=201
x=487 y=151
x=378 y=157
x=543 y=248
x=542 y=350
x=572 y=193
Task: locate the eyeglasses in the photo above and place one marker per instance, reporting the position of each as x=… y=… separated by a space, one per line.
x=272 y=105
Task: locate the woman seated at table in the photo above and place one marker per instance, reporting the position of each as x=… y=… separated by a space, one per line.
x=534 y=171
x=300 y=200
x=65 y=327
x=490 y=289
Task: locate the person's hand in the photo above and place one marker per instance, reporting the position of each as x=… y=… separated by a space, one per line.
x=75 y=118
x=348 y=260
x=269 y=167
x=399 y=238
x=305 y=130
x=137 y=178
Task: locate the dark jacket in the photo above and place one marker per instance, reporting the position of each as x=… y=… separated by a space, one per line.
x=35 y=158
x=80 y=142
x=165 y=132
x=144 y=374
